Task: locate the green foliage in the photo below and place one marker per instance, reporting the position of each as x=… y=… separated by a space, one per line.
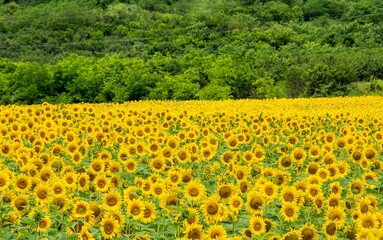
x=115 y=51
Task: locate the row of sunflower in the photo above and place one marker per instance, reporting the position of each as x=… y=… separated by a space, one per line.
x=275 y=169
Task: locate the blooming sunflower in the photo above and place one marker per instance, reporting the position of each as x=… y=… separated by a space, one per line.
x=235 y=203
x=269 y=191
x=22 y=183
x=257 y=225
x=81 y=209
x=192 y=216
x=41 y=192
x=293 y=234
x=368 y=220
x=102 y=183
x=136 y=209
x=330 y=230
x=226 y=190
x=195 y=191
x=289 y=211
x=20 y=203
x=4 y=180
x=216 y=232
x=289 y=194
x=309 y=232
x=149 y=212
x=112 y=200
x=299 y=155
x=83 y=181
x=254 y=203
x=213 y=211
x=158 y=189
x=285 y=161
x=44 y=223
x=157 y=164
x=194 y=231
x=109 y=227
x=357 y=187
x=336 y=215
x=130 y=165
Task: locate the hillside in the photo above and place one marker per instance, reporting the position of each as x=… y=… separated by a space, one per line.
x=102 y=51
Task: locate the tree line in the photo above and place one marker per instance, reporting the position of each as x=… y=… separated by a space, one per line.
x=114 y=51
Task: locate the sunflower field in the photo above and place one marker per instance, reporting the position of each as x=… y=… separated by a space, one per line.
x=238 y=169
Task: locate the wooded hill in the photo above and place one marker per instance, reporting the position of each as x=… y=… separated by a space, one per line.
x=68 y=51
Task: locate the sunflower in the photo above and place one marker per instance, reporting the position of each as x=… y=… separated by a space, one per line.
x=20 y=203
x=167 y=153
x=312 y=168
x=109 y=227
x=130 y=165
x=299 y=155
x=227 y=158
x=112 y=200
x=96 y=167
x=330 y=230
x=254 y=203
x=83 y=182
x=313 y=190
x=85 y=234
x=216 y=232
x=157 y=164
x=357 y=155
x=101 y=183
x=136 y=209
x=191 y=217
x=314 y=180
x=365 y=233
x=309 y=232
x=323 y=174
x=314 y=152
x=284 y=162
x=183 y=155
x=5 y=149
x=114 y=167
x=289 y=211
x=158 y=189
x=195 y=191
x=293 y=234
x=357 y=187
x=370 y=153
x=334 y=201
x=149 y=212
x=226 y=190
x=4 y=180
x=289 y=194
x=194 y=231
x=259 y=154
x=76 y=157
x=232 y=142
x=41 y=192
x=235 y=203
x=257 y=225
x=246 y=234
x=368 y=220
x=213 y=211
x=270 y=191
x=337 y=215
x=174 y=177
x=22 y=183
x=60 y=203
x=81 y=209
x=44 y=223
x=58 y=188
x=343 y=168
